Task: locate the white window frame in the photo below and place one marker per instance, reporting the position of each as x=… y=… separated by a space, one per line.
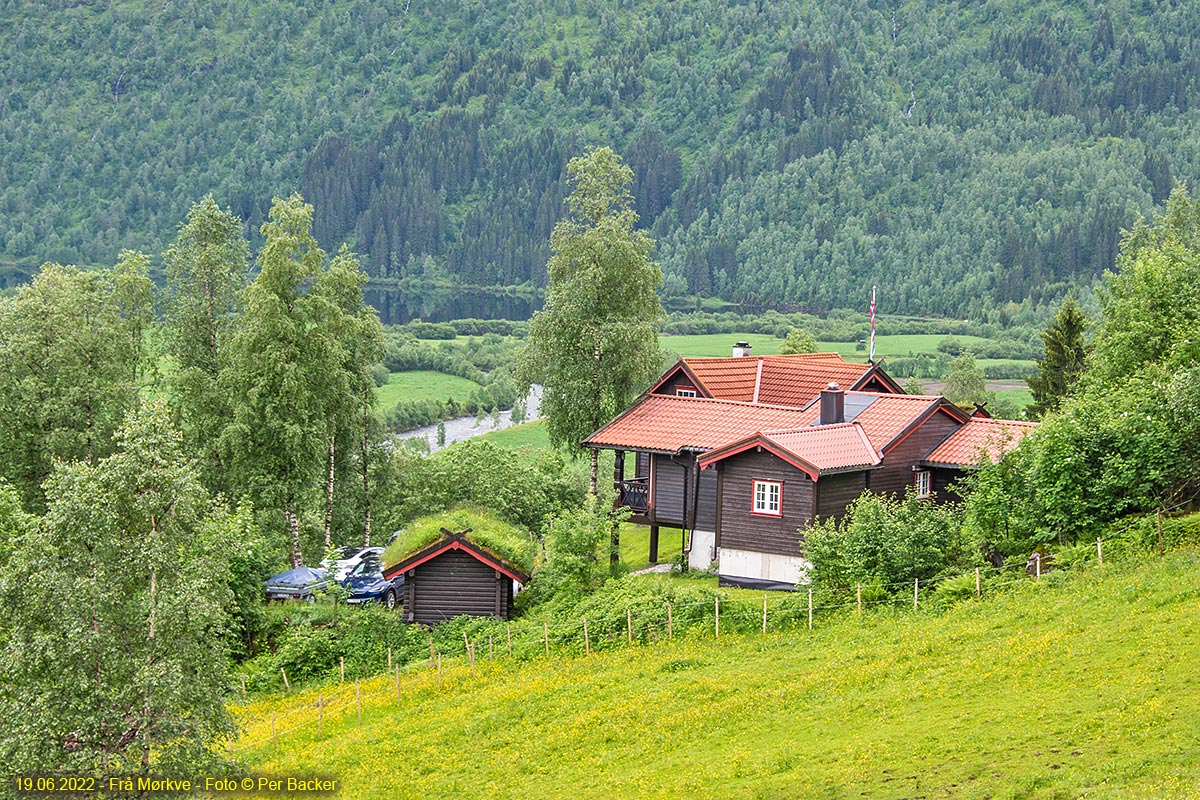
x=688 y=391
x=766 y=498
x=923 y=483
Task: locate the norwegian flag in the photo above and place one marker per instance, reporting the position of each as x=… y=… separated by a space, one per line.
x=872 y=357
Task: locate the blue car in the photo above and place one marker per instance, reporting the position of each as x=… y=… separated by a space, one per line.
x=301 y=583
x=366 y=584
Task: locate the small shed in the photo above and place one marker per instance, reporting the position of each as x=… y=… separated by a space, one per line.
x=455 y=576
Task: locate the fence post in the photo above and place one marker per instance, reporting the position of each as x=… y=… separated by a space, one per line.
x=243 y=688
x=320 y=713
x=858 y=592
x=491 y=650
x=810 y=608
x=1099 y=552
x=546 y=636
x=508 y=631
x=287 y=686
x=342 y=665
x=717 y=617
x=1158 y=512
x=764 y=613
x=629 y=626
x=587 y=644
x=358 y=700
x=1037 y=565
x=978 y=588
x=916 y=591
x=670 y=632
x=431 y=653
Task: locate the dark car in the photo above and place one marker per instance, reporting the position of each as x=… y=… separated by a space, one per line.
x=301 y=583
x=366 y=584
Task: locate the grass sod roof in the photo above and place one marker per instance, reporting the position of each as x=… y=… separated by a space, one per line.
x=510 y=542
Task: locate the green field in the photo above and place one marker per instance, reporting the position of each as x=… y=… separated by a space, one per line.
x=721 y=344
x=423 y=385
x=1076 y=685
x=530 y=435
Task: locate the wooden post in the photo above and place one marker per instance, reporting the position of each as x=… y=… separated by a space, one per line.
x=431 y=653
x=243 y=688
x=978 y=587
x=717 y=617
x=320 y=713
x=916 y=591
x=764 y=613
x=859 y=593
x=587 y=644
x=287 y=686
x=273 y=729
x=1099 y=552
x=1158 y=512
x=1037 y=566
x=358 y=700
x=491 y=650
x=810 y=608
x=546 y=636
x=342 y=664
x=629 y=626
x=389 y=659
x=670 y=634
x=653 y=544
x=508 y=630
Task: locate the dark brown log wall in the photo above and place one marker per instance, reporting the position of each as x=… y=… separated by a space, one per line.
x=897 y=472
x=741 y=530
x=456 y=583
x=670 y=504
x=835 y=492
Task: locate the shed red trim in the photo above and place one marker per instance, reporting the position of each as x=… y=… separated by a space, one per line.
x=454 y=541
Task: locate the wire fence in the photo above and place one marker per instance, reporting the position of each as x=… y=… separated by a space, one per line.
x=722 y=614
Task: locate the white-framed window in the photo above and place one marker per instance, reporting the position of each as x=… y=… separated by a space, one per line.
x=768 y=498
x=685 y=391
x=924 y=483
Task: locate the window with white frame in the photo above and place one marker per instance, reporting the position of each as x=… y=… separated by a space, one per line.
x=924 y=483
x=685 y=391
x=768 y=498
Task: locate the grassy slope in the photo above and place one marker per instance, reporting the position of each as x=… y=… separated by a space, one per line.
x=423 y=385
x=1082 y=684
x=719 y=344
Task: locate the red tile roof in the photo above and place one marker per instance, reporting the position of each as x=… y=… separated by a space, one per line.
x=780 y=380
x=891 y=415
x=823 y=449
x=967 y=445
x=668 y=424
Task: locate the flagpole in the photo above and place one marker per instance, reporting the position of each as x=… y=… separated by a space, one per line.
x=872 y=356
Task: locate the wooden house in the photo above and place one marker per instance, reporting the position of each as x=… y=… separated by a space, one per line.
x=455 y=576
x=742 y=477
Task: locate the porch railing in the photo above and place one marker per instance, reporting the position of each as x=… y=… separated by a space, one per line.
x=634 y=493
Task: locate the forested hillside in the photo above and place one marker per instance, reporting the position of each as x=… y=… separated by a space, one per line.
x=959 y=155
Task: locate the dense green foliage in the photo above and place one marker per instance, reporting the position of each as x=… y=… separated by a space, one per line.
x=130 y=674
x=1062 y=360
x=960 y=156
x=1128 y=439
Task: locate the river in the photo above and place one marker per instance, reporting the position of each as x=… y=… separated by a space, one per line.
x=463 y=428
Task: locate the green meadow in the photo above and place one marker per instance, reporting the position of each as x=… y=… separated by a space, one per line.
x=423 y=385
x=1075 y=685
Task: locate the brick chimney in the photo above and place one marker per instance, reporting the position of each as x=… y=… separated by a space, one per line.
x=741 y=349
x=833 y=405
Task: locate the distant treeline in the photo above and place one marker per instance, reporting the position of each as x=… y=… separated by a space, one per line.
x=960 y=156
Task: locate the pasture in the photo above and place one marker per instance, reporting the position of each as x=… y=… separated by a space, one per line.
x=423 y=385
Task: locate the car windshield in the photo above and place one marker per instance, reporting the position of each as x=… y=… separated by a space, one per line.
x=368 y=567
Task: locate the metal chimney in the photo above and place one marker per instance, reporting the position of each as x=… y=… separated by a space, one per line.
x=833 y=405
